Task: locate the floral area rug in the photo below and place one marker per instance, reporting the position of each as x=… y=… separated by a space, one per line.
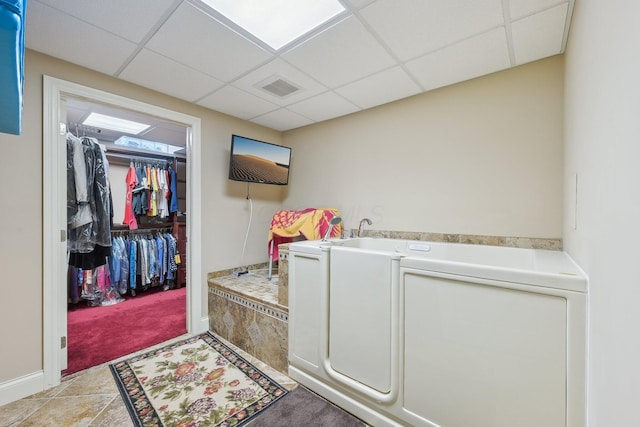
x=197 y=381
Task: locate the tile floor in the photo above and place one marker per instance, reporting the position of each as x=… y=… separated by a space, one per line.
x=90 y=398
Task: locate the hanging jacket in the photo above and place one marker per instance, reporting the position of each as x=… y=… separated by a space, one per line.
x=91 y=239
x=173 y=203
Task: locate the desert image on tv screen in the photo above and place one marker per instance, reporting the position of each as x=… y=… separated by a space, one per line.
x=256 y=161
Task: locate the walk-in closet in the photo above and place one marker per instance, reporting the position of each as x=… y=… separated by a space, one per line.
x=126 y=232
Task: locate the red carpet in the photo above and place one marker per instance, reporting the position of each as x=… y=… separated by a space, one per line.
x=96 y=335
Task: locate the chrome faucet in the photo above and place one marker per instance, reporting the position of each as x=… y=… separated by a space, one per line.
x=361 y=226
x=334 y=221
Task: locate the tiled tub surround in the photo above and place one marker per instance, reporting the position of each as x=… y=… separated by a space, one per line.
x=283 y=275
x=473 y=239
x=245 y=311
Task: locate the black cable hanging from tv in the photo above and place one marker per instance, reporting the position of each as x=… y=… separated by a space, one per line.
x=244 y=270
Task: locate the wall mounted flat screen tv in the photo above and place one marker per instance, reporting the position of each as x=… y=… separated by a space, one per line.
x=258 y=161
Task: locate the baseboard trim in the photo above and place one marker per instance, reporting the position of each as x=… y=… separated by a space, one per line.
x=21 y=387
x=203 y=326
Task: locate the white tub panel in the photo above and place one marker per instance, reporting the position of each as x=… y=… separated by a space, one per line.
x=478 y=355
x=360 y=316
x=305 y=333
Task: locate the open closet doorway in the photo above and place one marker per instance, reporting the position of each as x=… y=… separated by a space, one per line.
x=135 y=165
x=66 y=106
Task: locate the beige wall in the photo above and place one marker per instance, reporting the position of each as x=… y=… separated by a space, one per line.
x=481 y=157
x=224 y=218
x=603 y=149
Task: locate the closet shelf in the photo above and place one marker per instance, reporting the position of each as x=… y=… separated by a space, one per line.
x=127 y=152
x=122 y=227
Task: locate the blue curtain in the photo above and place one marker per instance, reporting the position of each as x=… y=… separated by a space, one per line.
x=12 y=22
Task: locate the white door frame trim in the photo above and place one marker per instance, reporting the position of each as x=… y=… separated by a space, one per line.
x=55 y=214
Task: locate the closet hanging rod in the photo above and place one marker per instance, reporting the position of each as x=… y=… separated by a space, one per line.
x=76 y=127
x=143 y=230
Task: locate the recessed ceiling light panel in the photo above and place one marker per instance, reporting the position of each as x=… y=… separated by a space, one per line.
x=113 y=123
x=277 y=22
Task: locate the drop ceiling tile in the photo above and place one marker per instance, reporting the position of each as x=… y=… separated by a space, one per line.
x=128 y=19
x=168 y=76
x=383 y=87
x=521 y=8
x=72 y=40
x=251 y=82
x=539 y=36
x=237 y=103
x=282 y=120
x=415 y=27
x=324 y=107
x=196 y=39
x=192 y=54
x=480 y=55
x=341 y=54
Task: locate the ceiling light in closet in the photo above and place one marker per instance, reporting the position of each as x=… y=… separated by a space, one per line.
x=277 y=22
x=114 y=123
x=145 y=144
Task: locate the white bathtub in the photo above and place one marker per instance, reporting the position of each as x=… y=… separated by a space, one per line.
x=533 y=266
x=435 y=334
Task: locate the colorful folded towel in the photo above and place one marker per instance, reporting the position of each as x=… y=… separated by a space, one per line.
x=309 y=223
